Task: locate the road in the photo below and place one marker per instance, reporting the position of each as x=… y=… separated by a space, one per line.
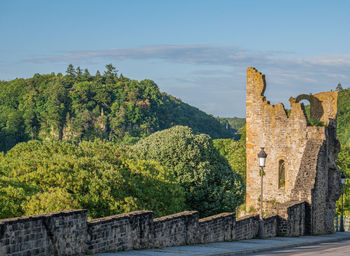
x=331 y=244
x=332 y=249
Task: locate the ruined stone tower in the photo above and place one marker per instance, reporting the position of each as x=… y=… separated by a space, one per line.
x=300 y=165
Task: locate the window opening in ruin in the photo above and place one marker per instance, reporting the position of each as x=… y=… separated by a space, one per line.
x=281 y=174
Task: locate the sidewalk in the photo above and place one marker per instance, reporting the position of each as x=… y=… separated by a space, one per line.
x=236 y=248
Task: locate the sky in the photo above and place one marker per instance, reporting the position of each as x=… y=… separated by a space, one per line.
x=195 y=50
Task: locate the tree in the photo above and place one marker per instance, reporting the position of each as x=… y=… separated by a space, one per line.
x=339 y=87
x=210 y=184
x=52 y=200
x=71 y=71
x=86 y=74
x=79 y=73
x=27 y=106
x=234 y=151
x=38 y=177
x=111 y=74
x=56 y=110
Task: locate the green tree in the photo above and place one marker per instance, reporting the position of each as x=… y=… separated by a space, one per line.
x=56 y=110
x=234 y=151
x=210 y=184
x=71 y=71
x=28 y=108
x=111 y=74
x=339 y=87
x=343 y=162
x=52 y=200
x=38 y=177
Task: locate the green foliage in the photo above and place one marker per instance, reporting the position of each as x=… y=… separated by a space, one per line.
x=343 y=162
x=343 y=117
x=79 y=106
x=234 y=122
x=52 y=200
x=314 y=122
x=210 y=184
x=39 y=177
x=234 y=152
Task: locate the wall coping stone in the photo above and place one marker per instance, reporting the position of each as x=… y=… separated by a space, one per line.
x=217 y=216
x=176 y=215
x=41 y=216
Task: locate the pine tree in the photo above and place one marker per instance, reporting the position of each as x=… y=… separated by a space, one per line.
x=339 y=87
x=71 y=70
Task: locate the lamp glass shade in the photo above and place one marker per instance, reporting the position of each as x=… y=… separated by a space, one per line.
x=262 y=161
x=342 y=178
x=262 y=157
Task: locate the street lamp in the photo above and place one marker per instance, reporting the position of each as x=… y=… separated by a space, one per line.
x=262 y=160
x=342 y=178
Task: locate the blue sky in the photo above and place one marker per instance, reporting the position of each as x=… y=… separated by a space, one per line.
x=197 y=50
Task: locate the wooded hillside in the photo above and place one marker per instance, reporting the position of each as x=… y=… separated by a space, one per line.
x=79 y=106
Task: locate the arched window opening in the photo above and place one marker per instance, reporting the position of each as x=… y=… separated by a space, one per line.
x=313 y=108
x=281 y=174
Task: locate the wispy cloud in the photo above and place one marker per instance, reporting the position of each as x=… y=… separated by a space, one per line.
x=306 y=68
x=221 y=68
x=179 y=53
x=199 y=54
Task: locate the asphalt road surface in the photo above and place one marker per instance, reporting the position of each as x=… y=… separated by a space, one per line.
x=332 y=249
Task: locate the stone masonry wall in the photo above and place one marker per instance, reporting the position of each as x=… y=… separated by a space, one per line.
x=270 y=226
x=63 y=233
x=127 y=231
x=217 y=228
x=69 y=232
x=176 y=229
x=247 y=227
x=305 y=150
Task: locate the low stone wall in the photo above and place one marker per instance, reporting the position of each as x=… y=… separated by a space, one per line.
x=63 y=233
x=247 y=227
x=176 y=229
x=69 y=232
x=127 y=231
x=270 y=226
x=217 y=228
x=292 y=220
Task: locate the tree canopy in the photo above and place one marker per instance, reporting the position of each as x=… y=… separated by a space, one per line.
x=210 y=185
x=38 y=177
x=234 y=152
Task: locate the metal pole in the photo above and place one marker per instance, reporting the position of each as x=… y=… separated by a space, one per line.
x=342 y=214
x=261 y=222
x=336 y=223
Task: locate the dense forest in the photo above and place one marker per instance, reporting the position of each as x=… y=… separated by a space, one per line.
x=79 y=106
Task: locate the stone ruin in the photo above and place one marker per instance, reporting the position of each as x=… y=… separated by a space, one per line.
x=300 y=166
